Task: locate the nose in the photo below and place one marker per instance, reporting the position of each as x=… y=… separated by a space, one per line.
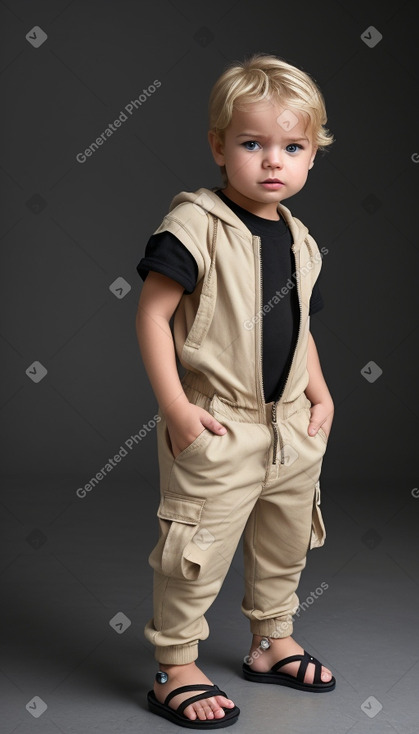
x=273 y=158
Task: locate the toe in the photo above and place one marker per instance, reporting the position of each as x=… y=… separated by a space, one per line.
x=199 y=710
x=222 y=701
x=207 y=712
x=190 y=713
x=208 y=709
x=217 y=703
x=326 y=675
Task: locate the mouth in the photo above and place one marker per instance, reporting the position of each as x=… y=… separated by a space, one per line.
x=271 y=184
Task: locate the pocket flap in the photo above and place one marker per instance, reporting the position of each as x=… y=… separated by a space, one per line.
x=180 y=508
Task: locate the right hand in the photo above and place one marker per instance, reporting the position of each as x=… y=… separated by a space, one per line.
x=184 y=424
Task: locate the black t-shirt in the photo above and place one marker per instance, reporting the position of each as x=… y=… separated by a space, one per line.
x=167 y=255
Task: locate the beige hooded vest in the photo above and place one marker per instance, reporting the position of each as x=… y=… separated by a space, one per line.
x=218 y=329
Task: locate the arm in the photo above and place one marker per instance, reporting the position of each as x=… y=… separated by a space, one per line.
x=159 y=298
x=318 y=393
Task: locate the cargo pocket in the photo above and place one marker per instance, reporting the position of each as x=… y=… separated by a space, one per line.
x=318 y=531
x=178 y=517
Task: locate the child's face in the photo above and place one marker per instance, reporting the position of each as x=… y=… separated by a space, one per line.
x=257 y=147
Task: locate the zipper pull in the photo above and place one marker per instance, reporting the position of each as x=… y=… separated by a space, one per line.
x=274 y=412
x=275 y=431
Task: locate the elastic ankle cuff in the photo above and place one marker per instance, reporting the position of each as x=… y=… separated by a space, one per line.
x=276 y=628
x=176 y=654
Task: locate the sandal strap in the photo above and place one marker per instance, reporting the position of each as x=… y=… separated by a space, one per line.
x=317 y=670
x=284 y=661
x=304 y=663
x=209 y=690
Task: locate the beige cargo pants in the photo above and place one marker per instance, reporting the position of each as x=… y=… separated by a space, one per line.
x=260 y=479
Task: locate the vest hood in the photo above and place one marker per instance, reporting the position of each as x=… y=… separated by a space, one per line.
x=206 y=200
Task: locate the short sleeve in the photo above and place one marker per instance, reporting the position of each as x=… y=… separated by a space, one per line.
x=167 y=255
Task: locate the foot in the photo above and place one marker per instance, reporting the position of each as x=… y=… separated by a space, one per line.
x=189 y=674
x=263 y=660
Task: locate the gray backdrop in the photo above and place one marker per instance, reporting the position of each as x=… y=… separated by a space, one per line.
x=75 y=579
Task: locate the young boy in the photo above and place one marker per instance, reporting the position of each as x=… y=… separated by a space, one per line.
x=242 y=435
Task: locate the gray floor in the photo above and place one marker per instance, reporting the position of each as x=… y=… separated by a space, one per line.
x=63 y=583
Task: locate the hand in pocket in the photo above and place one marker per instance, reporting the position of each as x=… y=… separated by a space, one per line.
x=321 y=416
x=186 y=422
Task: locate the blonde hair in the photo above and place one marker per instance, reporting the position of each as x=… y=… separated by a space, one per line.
x=262 y=77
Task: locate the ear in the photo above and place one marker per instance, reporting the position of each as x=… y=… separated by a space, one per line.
x=313 y=155
x=217 y=148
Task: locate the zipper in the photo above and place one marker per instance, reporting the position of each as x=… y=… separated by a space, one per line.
x=259 y=304
x=277 y=436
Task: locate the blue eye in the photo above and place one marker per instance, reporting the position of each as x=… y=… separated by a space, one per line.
x=296 y=147
x=250 y=142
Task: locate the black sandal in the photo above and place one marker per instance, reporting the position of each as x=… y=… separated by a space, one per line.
x=285 y=679
x=177 y=716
